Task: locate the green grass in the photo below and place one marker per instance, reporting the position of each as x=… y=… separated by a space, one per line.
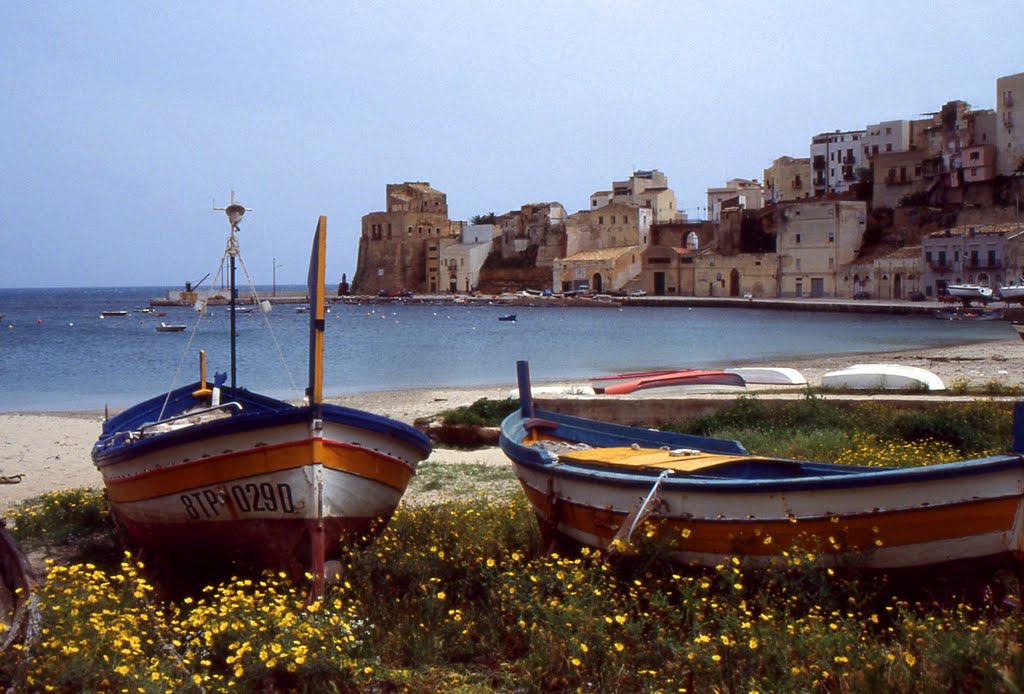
x=485 y=412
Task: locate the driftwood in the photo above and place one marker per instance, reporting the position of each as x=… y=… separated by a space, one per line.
x=17 y=599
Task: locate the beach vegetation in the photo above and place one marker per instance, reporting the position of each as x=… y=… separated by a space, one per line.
x=815 y=428
x=466 y=596
x=485 y=412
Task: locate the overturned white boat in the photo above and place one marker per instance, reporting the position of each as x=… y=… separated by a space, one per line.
x=769 y=375
x=882 y=377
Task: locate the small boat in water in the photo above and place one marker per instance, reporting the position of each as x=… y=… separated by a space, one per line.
x=208 y=476
x=707 y=500
x=882 y=377
x=165 y=328
x=510 y=318
x=669 y=382
x=113 y=314
x=970 y=313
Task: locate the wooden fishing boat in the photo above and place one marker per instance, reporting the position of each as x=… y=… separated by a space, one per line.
x=882 y=377
x=219 y=475
x=706 y=500
x=674 y=382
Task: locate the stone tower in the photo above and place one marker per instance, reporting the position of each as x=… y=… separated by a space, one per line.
x=393 y=244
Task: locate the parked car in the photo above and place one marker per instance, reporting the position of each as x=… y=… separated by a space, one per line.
x=638 y=292
x=861 y=295
x=917 y=296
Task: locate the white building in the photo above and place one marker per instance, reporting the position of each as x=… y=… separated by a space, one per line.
x=460 y=263
x=835 y=158
x=887 y=136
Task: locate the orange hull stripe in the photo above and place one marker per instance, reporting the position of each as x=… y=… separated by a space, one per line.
x=259 y=461
x=849 y=533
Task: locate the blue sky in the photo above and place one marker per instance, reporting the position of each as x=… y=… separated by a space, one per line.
x=122 y=123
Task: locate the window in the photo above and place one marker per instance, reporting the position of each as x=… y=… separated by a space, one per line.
x=831 y=237
x=831 y=263
x=613 y=219
x=888 y=131
x=798 y=264
x=991 y=258
x=928 y=256
x=975 y=156
x=798 y=238
x=888 y=146
x=600 y=220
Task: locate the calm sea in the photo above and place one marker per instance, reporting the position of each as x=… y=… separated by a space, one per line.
x=58 y=353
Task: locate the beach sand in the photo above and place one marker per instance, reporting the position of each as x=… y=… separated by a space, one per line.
x=51 y=450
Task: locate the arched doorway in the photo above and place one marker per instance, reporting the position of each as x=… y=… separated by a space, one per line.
x=597 y=284
x=897 y=286
x=734 y=282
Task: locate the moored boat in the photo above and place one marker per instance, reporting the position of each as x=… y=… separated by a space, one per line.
x=509 y=318
x=222 y=476
x=1011 y=292
x=173 y=328
x=882 y=377
x=967 y=293
x=707 y=500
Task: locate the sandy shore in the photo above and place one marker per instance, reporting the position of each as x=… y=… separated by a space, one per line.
x=51 y=450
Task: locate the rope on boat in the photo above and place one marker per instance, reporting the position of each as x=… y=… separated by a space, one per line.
x=639 y=514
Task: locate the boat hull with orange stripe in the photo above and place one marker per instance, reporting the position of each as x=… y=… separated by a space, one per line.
x=707 y=500
x=265 y=486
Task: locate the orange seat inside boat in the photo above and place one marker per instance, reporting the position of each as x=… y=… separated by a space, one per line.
x=654 y=458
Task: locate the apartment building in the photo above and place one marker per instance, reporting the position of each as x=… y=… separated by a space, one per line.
x=1010 y=123
x=835 y=158
x=647 y=189
x=613 y=225
x=814 y=240
x=737 y=192
x=787 y=180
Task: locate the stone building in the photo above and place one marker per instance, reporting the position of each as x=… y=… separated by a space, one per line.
x=787 y=180
x=896 y=275
x=742 y=274
x=643 y=189
x=737 y=192
x=814 y=240
x=615 y=224
x=987 y=255
x=597 y=271
x=1010 y=123
x=667 y=270
x=393 y=245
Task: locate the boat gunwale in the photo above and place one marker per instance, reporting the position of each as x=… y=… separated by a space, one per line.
x=857 y=477
x=110 y=450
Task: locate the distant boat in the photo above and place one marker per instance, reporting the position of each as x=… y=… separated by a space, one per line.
x=769 y=375
x=708 y=500
x=117 y=314
x=971 y=292
x=882 y=377
x=686 y=380
x=511 y=318
x=220 y=476
x=1011 y=292
x=165 y=328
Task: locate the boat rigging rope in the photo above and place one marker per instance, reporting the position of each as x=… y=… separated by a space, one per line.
x=273 y=336
x=202 y=313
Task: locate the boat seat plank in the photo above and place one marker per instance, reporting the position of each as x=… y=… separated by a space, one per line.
x=656 y=458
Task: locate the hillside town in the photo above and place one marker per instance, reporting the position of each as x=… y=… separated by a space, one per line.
x=897 y=210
